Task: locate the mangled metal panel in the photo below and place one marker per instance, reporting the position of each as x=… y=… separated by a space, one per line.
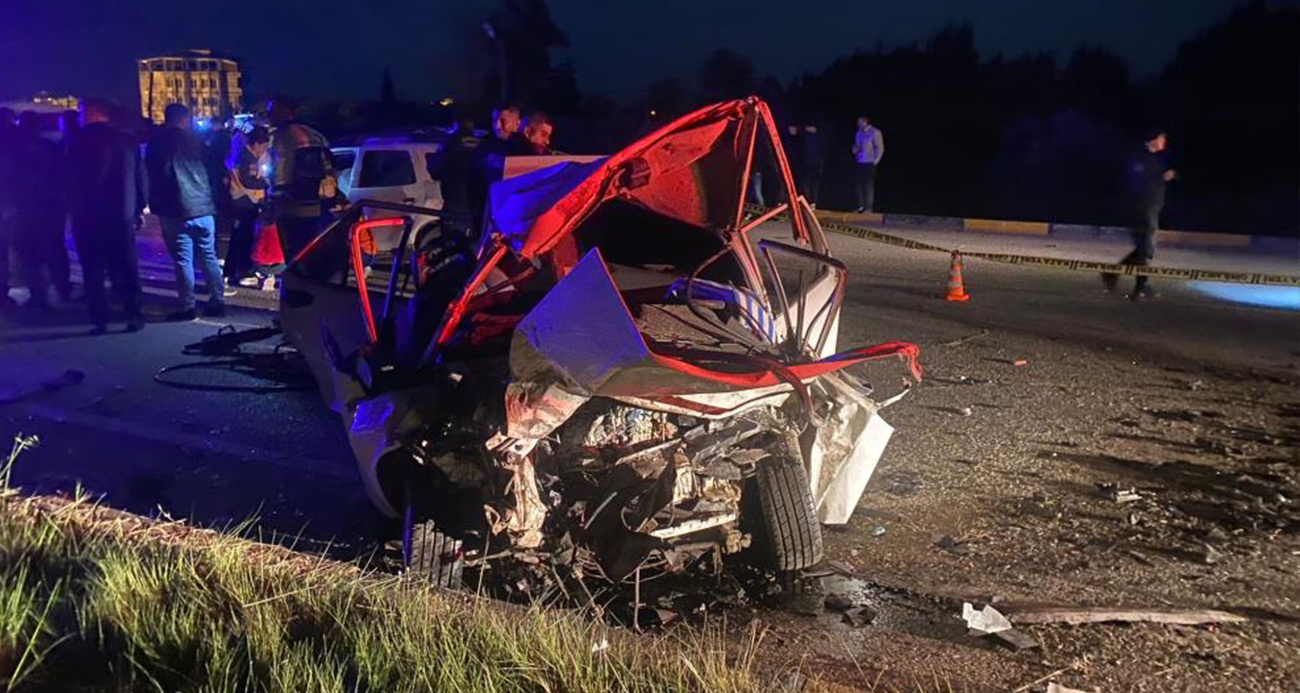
x=846 y=448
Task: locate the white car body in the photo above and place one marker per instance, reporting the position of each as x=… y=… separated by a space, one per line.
x=388 y=169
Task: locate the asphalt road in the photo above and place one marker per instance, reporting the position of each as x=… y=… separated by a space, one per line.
x=1102 y=377
x=149 y=447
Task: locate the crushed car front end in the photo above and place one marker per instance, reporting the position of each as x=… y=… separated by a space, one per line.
x=625 y=370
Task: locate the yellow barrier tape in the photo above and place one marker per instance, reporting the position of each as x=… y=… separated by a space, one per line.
x=1057 y=263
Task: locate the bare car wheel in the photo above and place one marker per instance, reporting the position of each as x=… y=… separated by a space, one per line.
x=428 y=553
x=793 y=536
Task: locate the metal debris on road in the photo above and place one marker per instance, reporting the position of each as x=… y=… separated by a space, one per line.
x=1082 y=615
x=1113 y=492
x=1016 y=639
x=984 y=621
x=859 y=616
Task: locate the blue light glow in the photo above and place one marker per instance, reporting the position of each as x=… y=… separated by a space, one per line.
x=1285 y=297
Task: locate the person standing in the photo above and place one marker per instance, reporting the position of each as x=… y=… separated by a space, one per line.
x=302 y=176
x=1148 y=176
x=181 y=195
x=455 y=167
x=812 y=163
x=39 y=214
x=106 y=197
x=868 y=149
x=506 y=141
x=247 y=194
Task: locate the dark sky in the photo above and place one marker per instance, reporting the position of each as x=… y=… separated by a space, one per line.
x=338 y=48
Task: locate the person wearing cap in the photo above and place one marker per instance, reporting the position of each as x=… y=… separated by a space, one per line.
x=1148 y=175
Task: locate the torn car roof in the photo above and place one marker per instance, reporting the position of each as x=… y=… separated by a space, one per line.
x=693 y=169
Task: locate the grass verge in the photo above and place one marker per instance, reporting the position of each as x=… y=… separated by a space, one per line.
x=95 y=599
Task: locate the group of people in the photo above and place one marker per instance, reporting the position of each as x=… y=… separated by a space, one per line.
x=806 y=153
x=90 y=175
x=469 y=163
x=274 y=187
x=101 y=176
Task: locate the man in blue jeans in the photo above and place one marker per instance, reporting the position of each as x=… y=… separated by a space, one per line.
x=181 y=195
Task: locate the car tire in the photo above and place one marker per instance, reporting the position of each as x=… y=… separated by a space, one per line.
x=792 y=536
x=427 y=553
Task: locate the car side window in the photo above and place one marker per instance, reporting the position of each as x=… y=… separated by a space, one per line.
x=431 y=164
x=343 y=160
x=386 y=168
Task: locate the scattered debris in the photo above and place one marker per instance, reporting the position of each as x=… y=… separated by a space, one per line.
x=1113 y=492
x=1055 y=687
x=952 y=546
x=878 y=531
x=1078 y=616
x=840 y=601
x=985 y=621
x=963 y=340
x=966 y=411
x=1016 y=639
x=1041 y=679
x=1210 y=555
x=859 y=616
x=1021 y=362
x=1039 y=506
x=1196 y=385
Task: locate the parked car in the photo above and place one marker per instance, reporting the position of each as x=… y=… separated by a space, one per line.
x=629 y=370
x=390 y=169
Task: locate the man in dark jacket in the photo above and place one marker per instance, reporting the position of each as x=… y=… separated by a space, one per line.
x=39 y=214
x=1148 y=174
x=181 y=194
x=455 y=169
x=106 y=195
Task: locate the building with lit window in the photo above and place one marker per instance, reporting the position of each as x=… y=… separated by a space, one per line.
x=206 y=83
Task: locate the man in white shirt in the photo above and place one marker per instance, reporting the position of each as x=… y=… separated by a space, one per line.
x=868 y=148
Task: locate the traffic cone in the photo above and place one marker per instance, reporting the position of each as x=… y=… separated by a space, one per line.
x=956 y=291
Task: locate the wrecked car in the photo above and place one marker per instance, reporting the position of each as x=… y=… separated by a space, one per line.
x=625 y=370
